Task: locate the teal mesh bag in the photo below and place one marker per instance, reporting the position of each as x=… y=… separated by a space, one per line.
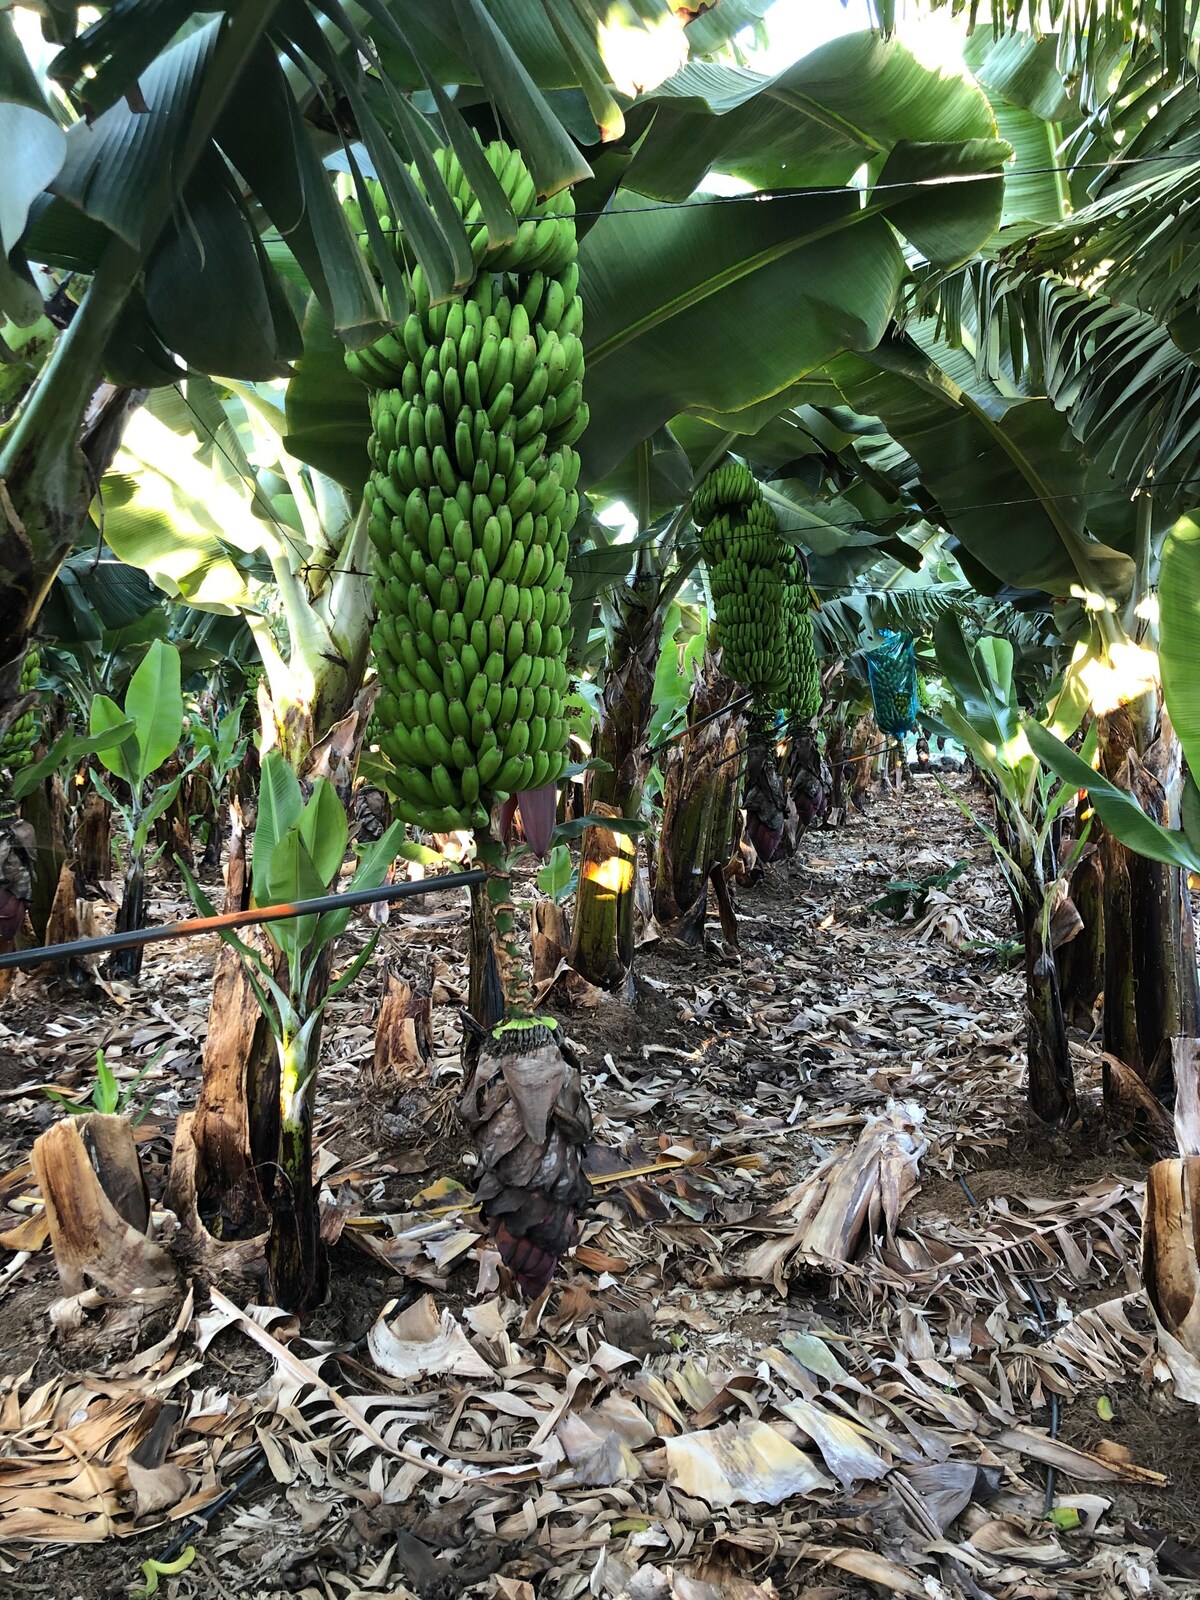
x=892 y=671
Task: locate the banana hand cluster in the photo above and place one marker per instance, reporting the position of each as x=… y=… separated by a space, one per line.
x=510 y=350
x=802 y=689
x=545 y=239
x=475 y=406
x=746 y=560
x=728 y=488
x=17 y=745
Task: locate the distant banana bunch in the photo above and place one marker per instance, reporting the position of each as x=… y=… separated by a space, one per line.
x=18 y=744
x=475 y=406
x=739 y=539
x=802 y=689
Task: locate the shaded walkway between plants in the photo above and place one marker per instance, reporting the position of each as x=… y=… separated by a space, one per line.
x=825 y=1343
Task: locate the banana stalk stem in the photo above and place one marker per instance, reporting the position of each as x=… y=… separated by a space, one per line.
x=131 y=915
x=500 y=981
x=296 y=1258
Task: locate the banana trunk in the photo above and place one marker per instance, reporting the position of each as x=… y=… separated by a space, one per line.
x=297 y=1265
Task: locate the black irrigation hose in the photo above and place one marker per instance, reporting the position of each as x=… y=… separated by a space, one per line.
x=199 y=1523
x=195 y=926
x=692 y=727
x=1044 y=1327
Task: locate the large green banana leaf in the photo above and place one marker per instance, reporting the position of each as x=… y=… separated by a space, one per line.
x=1178 y=652
x=1023 y=70
x=783 y=441
x=192 y=532
x=1035 y=109
x=1128 y=393
x=721 y=307
x=1116 y=807
x=851 y=101
x=820 y=524
x=1009 y=475
x=1179 y=634
x=615 y=37
x=669 y=483
x=149 y=79
x=328 y=419
x=210 y=292
x=724 y=309
x=34 y=146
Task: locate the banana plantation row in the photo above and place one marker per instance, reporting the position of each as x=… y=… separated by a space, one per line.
x=540 y=493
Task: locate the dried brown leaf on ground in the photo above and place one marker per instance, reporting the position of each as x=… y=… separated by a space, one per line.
x=660 y=1424
x=419 y=1344
x=741 y=1462
x=87 y=1459
x=851 y=1202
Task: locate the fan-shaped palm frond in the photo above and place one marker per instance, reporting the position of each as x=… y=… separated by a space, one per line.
x=1138 y=241
x=1129 y=395
x=1094 y=34
x=856 y=621
x=849 y=626
x=1099 y=97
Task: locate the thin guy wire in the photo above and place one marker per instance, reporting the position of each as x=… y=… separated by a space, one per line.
x=764 y=197
x=981 y=505
x=1041 y=499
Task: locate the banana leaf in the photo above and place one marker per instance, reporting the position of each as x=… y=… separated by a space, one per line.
x=1179 y=642
x=1009 y=475
x=852 y=101
x=1116 y=808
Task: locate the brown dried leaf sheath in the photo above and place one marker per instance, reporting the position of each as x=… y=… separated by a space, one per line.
x=97 y=1208
x=403 y=1034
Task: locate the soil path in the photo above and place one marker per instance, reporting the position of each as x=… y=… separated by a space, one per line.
x=830 y=1346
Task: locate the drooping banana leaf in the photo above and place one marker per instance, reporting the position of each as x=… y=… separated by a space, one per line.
x=852 y=101
x=1009 y=476
x=1179 y=636
x=1116 y=808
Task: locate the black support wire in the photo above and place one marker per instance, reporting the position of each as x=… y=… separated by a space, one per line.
x=734 y=705
x=238 y=919
x=766 y=196
x=1044 y=1329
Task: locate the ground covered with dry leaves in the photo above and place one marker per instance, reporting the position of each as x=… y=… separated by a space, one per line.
x=839 y=1325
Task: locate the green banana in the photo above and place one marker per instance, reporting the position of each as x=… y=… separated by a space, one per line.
x=474 y=405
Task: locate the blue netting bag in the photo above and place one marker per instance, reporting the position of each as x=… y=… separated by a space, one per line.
x=892 y=671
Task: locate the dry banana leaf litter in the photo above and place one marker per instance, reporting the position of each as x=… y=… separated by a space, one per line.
x=791 y=1355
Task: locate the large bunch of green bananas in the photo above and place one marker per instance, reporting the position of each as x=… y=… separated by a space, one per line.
x=17 y=745
x=475 y=406
x=802 y=690
x=545 y=237
x=746 y=560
